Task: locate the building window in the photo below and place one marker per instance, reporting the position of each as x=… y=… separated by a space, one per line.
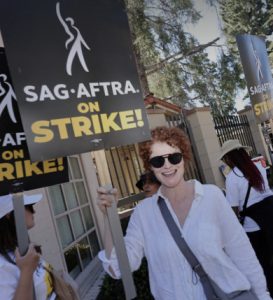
x=74 y=221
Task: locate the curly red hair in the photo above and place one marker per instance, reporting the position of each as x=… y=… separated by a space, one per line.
x=175 y=137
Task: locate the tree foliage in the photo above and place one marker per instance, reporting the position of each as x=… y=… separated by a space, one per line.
x=251 y=17
x=172 y=63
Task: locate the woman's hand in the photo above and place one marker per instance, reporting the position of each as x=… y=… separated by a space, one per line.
x=29 y=262
x=27 y=265
x=106 y=197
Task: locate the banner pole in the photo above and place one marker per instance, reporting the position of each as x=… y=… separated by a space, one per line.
x=118 y=240
x=265 y=130
x=20 y=222
x=270 y=154
x=21 y=228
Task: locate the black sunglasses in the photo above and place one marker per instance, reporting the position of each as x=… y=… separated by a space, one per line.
x=159 y=161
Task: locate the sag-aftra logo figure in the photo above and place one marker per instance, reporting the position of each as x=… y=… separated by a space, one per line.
x=6 y=97
x=74 y=43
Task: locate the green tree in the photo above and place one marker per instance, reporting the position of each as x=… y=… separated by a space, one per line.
x=250 y=17
x=171 y=62
x=220 y=85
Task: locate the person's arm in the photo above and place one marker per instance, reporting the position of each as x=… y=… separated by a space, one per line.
x=27 y=265
x=105 y=199
x=133 y=239
x=238 y=248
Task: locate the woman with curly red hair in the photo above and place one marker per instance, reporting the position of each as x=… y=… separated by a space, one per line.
x=247 y=183
x=202 y=217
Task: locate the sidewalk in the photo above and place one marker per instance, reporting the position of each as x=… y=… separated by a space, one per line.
x=95 y=289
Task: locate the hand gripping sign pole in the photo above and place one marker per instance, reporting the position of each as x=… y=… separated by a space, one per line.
x=20 y=223
x=117 y=236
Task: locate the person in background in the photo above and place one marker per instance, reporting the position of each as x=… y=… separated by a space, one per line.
x=245 y=172
x=204 y=218
x=148 y=183
x=18 y=274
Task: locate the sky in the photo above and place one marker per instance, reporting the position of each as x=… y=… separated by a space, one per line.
x=206 y=30
x=208 y=27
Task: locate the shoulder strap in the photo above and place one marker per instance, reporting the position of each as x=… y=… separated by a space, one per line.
x=185 y=249
x=8 y=258
x=245 y=204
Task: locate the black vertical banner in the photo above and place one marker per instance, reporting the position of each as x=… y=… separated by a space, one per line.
x=15 y=164
x=258 y=74
x=74 y=73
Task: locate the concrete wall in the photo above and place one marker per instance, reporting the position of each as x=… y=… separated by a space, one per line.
x=207 y=144
x=156 y=117
x=256 y=133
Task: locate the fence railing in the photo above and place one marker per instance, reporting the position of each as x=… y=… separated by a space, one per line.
x=235 y=127
x=125 y=168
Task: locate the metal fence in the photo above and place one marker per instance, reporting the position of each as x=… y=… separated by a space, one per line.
x=125 y=168
x=235 y=127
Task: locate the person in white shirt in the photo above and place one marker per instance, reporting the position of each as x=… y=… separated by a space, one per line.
x=206 y=222
x=244 y=172
x=18 y=274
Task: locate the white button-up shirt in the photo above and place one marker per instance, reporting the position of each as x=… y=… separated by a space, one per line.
x=215 y=236
x=10 y=275
x=236 y=188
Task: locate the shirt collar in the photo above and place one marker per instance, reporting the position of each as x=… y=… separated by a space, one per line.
x=198 y=190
